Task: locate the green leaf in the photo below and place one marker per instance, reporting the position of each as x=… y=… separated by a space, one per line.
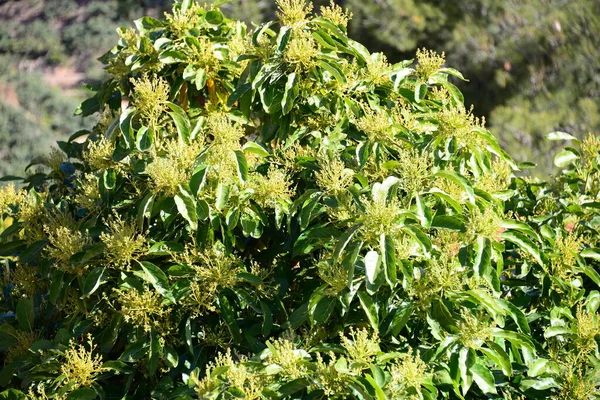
x=11 y=248
x=25 y=314
x=214 y=17
x=172 y=57
x=289 y=94
x=322 y=311
x=453 y=72
x=592 y=252
x=460 y=181
x=31 y=254
x=366 y=301
x=181 y=120
x=186 y=206
x=388 y=252
x=144 y=210
x=538 y=368
x=499 y=356
x=334 y=70
x=229 y=317
x=448 y=222
x=558 y=135
x=125 y=126
x=557 y=331
x=82 y=394
x=155 y=353
x=343 y=241
x=222 y=196
x=144 y=138
x=242 y=165
x=518 y=316
x=255 y=148
x=483 y=256
x=13 y=394
x=565 y=158
x=157 y=278
x=267 y=319
x=109 y=179
x=118 y=366
x=422 y=239
x=379 y=393
x=135 y=351
x=516 y=338
x=93 y=281
x=292 y=387
x=372 y=263
x=466 y=360
x=484 y=378
x=423 y=212
x=441 y=314
x=219 y=3
x=420 y=92
x=309 y=210
x=525 y=243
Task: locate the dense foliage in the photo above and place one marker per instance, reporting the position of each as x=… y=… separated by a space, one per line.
x=533 y=65
x=282 y=214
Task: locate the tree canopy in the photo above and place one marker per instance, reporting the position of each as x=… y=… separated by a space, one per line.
x=279 y=213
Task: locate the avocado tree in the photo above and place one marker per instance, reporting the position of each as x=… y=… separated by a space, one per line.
x=281 y=214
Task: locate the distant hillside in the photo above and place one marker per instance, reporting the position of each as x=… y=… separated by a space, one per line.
x=534 y=66
x=48 y=50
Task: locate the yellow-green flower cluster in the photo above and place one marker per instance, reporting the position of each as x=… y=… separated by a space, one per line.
x=475 y=329
x=284 y=354
x=213 y=271
x=88 y=193
x=567 y=249
x=269 y=189
x=587 y=327
x=54 y=159
x=203 y=56
x=226 y=136
x=26 y=280
x=497 y=178
x=378 y=69
x=32 y=215
x=123 y=242
x=336 y=14
x=429 y=63
x=80 y=366
x=65 y=241
x=408 y=372
x=150 y=95
x=99 y=154
x=293 y=13
x=335 y=275
x=144 y=309
x=376 y=124
x=486 y=223
x=302 y=51
x=9 y=197
x=181 y=21
x=379 y=218
x=414 y=170
x=362 y=345
x=236 y=374
x=333 y=176
x=175 y=167
x=459 y=122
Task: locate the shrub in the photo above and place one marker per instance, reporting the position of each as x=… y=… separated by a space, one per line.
x=282 y=214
